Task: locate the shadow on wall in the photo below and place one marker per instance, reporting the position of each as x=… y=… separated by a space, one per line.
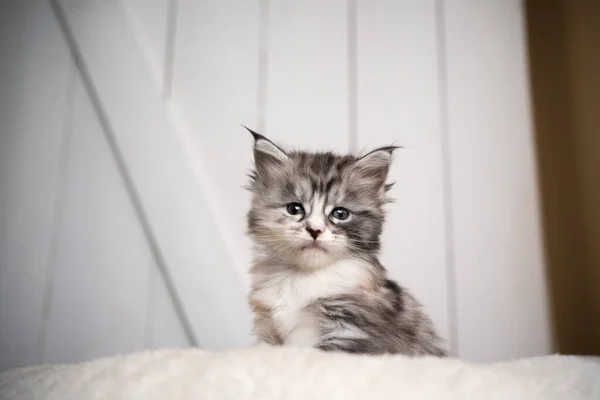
x=564 y=50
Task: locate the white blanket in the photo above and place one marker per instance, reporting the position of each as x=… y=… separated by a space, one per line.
x=289 y=373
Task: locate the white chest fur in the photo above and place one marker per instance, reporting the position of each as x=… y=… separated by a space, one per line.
x=287 y=292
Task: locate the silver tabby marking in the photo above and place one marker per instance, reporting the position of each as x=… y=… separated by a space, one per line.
x=316 y=220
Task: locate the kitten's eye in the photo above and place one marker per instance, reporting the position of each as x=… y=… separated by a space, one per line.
x=295 y=209
x=340 y=213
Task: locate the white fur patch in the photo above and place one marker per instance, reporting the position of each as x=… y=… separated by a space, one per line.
x=287 y=292
x=316 y=219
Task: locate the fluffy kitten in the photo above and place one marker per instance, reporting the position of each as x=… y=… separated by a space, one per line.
x=315 y=220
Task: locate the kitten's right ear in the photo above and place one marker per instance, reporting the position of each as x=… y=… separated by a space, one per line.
x=267 y=155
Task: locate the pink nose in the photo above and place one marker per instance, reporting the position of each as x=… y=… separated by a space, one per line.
x=314 y=233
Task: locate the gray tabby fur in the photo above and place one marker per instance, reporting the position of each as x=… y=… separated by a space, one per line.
x=330 y=292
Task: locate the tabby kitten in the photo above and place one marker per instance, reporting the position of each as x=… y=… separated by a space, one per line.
x=315 y=220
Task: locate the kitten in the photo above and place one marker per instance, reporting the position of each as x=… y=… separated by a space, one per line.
x=315 y=220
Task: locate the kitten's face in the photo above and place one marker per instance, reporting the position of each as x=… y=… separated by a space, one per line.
x=311 y=209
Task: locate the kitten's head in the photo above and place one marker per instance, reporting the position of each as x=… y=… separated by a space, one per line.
x=311 y=209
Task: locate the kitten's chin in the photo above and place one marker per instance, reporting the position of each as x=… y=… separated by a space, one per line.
x=303 y=257
x=313 y=258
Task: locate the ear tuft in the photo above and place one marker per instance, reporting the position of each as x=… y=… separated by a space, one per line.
x=254 y=134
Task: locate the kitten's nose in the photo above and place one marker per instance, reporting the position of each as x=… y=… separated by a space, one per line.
x=313 y=232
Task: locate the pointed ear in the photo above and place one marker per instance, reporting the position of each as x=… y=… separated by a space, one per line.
x=373 y=167
x=267 y=155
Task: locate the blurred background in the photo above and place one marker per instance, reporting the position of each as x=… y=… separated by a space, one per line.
x=122 y=162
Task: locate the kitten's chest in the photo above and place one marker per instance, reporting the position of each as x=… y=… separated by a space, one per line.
x=286 y=297
x=287 y=294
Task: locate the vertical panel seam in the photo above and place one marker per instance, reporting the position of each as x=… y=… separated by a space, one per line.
x=352 y=60
x=123 y=171
x=57 y=212
x=169 y=57
x=263 y=65
x=451 y=299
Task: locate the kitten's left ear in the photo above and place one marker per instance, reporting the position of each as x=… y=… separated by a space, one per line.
x=374 y=166
x=266 y=153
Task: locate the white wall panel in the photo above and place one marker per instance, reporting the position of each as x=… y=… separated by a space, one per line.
x=149 y=19
x=500 y=282
x=34 y=73
x=102 y=264
x=215 y=89
x=307 y=74
x=164 y=328
x=398 y=103
x=167 y=182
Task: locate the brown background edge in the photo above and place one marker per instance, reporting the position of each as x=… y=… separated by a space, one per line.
x=564 y=67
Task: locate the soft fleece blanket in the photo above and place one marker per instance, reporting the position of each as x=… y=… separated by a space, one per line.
x=290 y=373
